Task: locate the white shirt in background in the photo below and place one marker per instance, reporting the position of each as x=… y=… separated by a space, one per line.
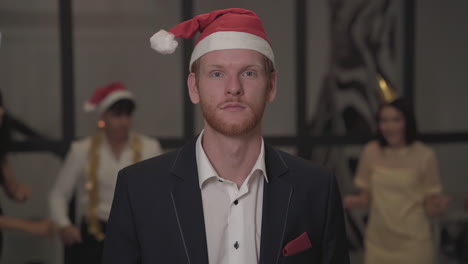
x=73 y=176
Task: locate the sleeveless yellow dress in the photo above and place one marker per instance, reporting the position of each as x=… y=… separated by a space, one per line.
x=398 y=231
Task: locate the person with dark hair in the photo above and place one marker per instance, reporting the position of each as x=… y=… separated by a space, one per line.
x=90 y=169
x=226 y=197
x=399 y=180
x=15 y=190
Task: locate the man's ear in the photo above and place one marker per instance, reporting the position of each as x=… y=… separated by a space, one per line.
x=193 y=88
x=271 y=93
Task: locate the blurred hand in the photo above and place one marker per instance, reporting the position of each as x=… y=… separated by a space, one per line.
x=352 y=202
x=42 y=227
x=70 y=235
x=21 y=192
x=437 y=204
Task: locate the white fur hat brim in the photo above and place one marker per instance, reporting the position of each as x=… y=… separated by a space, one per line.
x=108 y=101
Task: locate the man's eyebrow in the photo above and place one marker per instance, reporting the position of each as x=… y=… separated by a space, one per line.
x=253 y=66
x=218 y=66
x=215 y=66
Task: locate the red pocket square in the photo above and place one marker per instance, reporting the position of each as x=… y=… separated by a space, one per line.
x=298 y=245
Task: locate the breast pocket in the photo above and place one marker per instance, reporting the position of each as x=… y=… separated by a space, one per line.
x=309 y=256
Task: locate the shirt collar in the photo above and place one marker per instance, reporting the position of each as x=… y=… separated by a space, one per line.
x=206 y=170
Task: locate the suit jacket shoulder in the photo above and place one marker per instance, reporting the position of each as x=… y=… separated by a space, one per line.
x=302 y=171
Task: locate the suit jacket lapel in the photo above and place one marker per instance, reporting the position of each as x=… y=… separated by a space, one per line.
x=188 y=205
x=276 y=199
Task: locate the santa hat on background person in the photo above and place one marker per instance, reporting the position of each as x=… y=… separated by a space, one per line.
x=105 y=97
x=233 y=28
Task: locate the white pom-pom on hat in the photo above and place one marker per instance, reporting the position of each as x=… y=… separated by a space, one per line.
x=163 y=42
x=89 y=107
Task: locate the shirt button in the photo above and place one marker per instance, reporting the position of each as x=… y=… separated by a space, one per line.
x=236 y=245
x=236 y=202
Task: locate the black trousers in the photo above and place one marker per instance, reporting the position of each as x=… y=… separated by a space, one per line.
x=89 y=251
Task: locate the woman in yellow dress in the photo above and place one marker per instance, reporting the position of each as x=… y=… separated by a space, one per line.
x=399 y=180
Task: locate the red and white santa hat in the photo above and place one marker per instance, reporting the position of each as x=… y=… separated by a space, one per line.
x=104 y=97
x=233 y=28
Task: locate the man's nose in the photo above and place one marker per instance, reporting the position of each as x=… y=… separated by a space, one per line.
x=234 y=86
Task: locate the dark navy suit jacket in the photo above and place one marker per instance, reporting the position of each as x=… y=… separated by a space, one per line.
x=157 y=212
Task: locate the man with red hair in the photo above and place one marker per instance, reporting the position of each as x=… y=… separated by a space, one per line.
x=226 y=197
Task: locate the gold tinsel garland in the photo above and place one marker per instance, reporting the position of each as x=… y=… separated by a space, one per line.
x=92 y=186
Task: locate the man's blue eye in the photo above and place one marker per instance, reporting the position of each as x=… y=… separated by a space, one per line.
x=216 y=74
x=249 y=73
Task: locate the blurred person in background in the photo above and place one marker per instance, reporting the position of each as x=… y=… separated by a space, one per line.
x=14 y=190
x=399 y=181
x=90 y=169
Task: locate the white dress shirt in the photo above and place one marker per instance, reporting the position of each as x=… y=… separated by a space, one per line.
x=73 y=176
x=233 y=216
